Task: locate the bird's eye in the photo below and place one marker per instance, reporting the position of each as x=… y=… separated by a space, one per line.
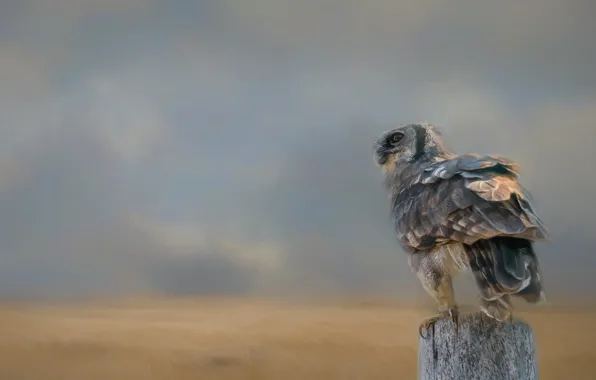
x=396 y=138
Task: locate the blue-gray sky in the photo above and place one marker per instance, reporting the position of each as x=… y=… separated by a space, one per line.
x=225 y=146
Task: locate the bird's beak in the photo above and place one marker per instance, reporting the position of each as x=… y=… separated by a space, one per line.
x=380 y=154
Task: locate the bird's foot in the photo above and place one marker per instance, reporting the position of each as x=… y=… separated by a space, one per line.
x=452 y=314
x=498 y=309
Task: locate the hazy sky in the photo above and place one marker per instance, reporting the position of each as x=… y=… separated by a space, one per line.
x=226 y=146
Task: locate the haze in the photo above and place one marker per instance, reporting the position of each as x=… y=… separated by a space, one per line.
x=224 y=147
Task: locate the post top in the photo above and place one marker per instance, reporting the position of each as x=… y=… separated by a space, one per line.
x=482 y=348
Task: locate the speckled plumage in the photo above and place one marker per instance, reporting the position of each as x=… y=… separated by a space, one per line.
x=454 y=213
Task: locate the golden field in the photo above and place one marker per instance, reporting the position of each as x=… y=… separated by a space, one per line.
x=239 y=339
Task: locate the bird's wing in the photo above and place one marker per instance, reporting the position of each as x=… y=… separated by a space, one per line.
x=465 y=199
x=468 y=166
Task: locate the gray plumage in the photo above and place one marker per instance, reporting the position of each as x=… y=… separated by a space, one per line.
x=453 y=213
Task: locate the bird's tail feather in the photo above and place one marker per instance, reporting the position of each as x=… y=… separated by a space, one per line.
x=506 y=265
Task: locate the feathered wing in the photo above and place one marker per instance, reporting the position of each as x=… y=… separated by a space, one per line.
x=475 y=200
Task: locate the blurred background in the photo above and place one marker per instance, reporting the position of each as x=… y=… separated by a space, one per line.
x=225 y=147
x=209 y=148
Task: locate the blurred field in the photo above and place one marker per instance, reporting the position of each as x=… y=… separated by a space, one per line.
x=231 y=339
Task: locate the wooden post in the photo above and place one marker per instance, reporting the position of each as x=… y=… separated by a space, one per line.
x=482 y=349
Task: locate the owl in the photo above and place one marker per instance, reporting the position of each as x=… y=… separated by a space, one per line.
x=457 y=213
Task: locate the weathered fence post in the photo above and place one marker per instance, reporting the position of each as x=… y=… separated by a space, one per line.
x=482 y=349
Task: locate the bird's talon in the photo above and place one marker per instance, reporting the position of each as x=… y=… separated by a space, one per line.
x=497 y=309
x=453 y=314
x=424 y=326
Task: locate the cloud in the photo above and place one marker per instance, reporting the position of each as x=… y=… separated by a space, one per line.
x=340 y=23
x=87 y=5
x=129 y=124
x=22 y=74
x=238 y=135
x=428 y=38
x=185 y=240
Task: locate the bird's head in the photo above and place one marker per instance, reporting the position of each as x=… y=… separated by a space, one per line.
x=406 y=145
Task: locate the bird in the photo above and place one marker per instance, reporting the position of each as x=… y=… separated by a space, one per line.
x=461 y=213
